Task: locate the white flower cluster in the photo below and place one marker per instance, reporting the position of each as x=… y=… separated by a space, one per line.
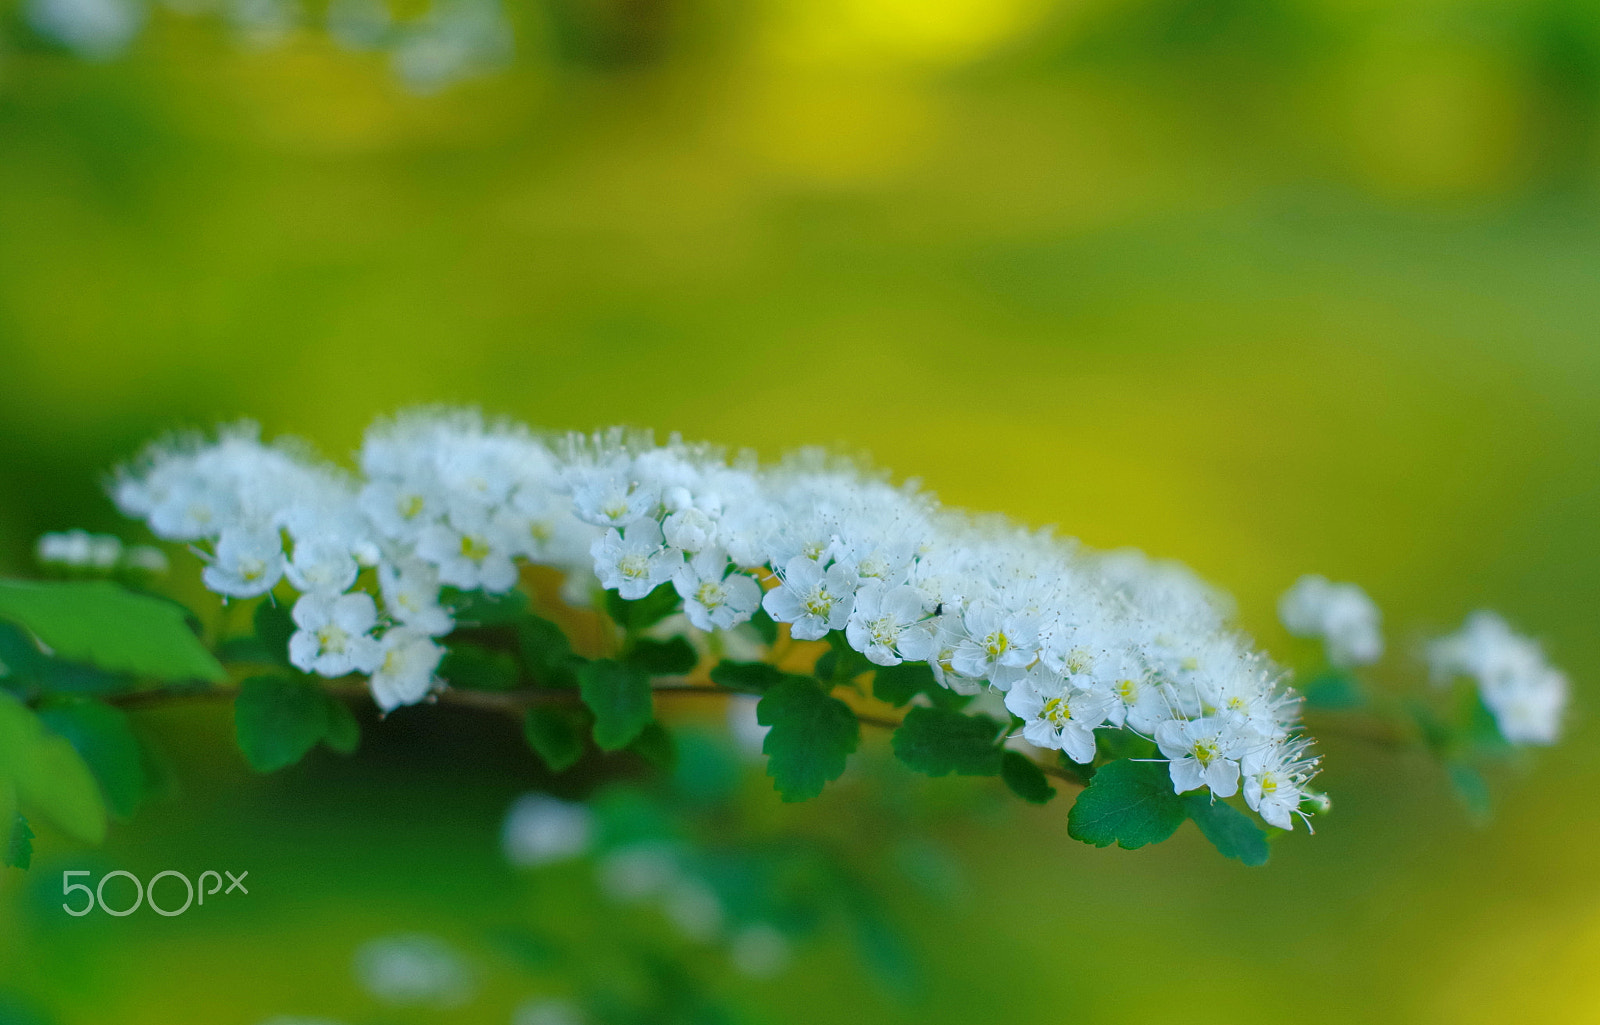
x=1077 y=641
x=1340 y=615
x=1524 y=692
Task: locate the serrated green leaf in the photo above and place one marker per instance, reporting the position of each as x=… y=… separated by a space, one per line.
x=555 y=734
x=811 y=736
x=671 y=657
x=19 y=845
x=619 y=696
x=343 y=734
x=274 y=626
x=277 y=719
x=645 y=612
x=473 y=609
x=655 y=745
x=1127 y=803
x=1231 y=831
x=547 y=653
x=752 y=677
x=472 y=667
x=104 y=739
x=1023 y=775
x=938 y=741
x=840 y=663
x=47 y=776
x=97 y=622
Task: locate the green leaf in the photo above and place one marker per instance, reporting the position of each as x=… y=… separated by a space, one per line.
x=48 y=777
x=1115 y=744
x=1084 y=771
x=274 y=626
x=765 y=626
x=619 y=697
x=840 y=663
x=1472 y=790
x=672 y=657
x=756 y=677
x=19 y=847
x=471 y=667
x=812 y=735
x=278 y=719
x=547 y=653
x=654 y=744
x=343 y=734
x=645 y=612
x=480 y=608
x=554 y=734
x=898 y=684
x=24 y=668
x=1334 y=691
x=1127 y=803
x=1230 y=830
x=97 y=622
x=1023 y=775
x=104 y=739
x=938 y=741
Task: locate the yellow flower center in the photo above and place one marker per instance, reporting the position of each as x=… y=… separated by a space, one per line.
x=409 y=506
x=474 y=547
x=709 y=594
x=634 y=567
x=996 y=644
x=332 y=639
x=1057 y=710
x=1205 y=751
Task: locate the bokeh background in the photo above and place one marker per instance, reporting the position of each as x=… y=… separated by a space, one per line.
x=1268 y=286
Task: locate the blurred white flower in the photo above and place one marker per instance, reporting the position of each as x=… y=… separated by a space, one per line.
x=540 y=829
x=759 y=951
x=1526 y=694
x=548 y=1011
x=96 y=29
x=1340 y=615
x=414 y=969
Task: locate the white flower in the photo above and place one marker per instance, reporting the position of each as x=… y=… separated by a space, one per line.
x=540 y=829
x=469 y=559
x=811 y=600
x=404 y=674
x=606 y=498
x=635 y=563
x=689 y=529
x=1057 y=715
x=1274 y=781
x=879 y=618
x=248 y=562
x=935 y=641
x=1341 y=615
x=713 y=599
x=335 y=634
x=1203 y=753
x=999 y=645
x=322 y=564
x=411 y=596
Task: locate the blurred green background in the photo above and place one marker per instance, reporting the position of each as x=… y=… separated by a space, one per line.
x=1269 y=286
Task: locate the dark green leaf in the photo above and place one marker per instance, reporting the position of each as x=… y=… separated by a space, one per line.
x=97 y=622
x=19 y=846
x=938 y=741
x=765 y=626
x=274 y=626
x=1334 y=691
x=1115 y=744
x=1127 y=803
x=480 y=608
x=343 y=734
x=672 y=657
x=654 y=744
x=1083 y=770
x=898 y=684
x=1230 y=830
x=555 y=735
x=26 y=669
x=547 y=653
x=812 y=735
x=471 y=667
x=754 y=677
x=103 y=737
x=1023 y=775
x=645 y=612
x=619 y=697
x=840 y=663
x=278 y=719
